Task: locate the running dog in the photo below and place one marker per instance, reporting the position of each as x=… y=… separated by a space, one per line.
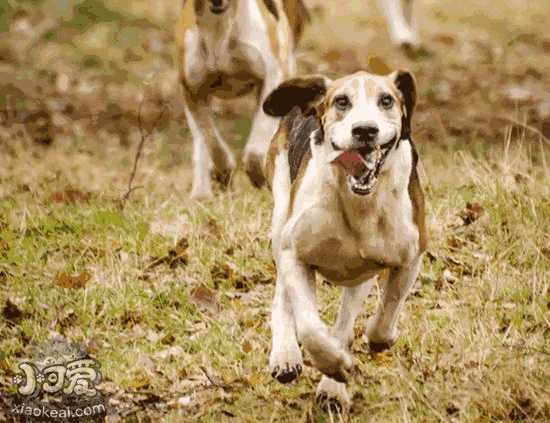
x=225 y=49
x=348 y=206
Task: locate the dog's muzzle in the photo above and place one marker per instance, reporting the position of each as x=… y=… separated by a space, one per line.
x=363 y=165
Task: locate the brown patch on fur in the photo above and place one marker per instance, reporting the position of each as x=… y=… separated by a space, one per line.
x=187 y=20
x=417 y=198
x=298 y=181
x=271 y=23
x=199 y=6
x=279 y=144
x=272 y=7
x=298 y=16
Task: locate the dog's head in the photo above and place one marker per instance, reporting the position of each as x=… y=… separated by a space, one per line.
x=362 y=117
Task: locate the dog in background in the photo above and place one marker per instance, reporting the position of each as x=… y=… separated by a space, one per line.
x=226 y=49
x=348 y=206
x=401 y=22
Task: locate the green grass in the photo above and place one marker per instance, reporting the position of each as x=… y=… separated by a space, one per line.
x=178 y=298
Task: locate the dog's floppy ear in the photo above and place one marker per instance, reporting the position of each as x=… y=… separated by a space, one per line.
x=406 y=84
x=304 y=92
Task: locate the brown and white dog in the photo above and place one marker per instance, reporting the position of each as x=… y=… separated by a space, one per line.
x=348 y=206
x=226 y=48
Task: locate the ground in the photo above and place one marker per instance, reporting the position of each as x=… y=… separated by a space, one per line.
x=173 y=297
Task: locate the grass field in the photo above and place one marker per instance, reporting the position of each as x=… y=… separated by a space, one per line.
x=173 y=297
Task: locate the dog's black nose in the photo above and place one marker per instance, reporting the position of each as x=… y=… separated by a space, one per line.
x=217 y=3
x=364 y=132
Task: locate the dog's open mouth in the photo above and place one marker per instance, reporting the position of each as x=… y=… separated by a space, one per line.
x=362 y=167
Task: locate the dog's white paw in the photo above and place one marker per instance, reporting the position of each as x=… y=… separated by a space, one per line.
x=332 y=395
x=201 y=193
x=406 y=39
x=327 y=354
x=378 y=340
x=285 y=362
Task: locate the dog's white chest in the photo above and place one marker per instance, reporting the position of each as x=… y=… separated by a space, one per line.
x=347 y=237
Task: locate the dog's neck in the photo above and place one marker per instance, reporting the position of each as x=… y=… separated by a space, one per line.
x=215 y=30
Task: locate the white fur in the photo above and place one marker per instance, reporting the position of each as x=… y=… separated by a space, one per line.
x=348 y=239
x=401 y=22
x=236 y=41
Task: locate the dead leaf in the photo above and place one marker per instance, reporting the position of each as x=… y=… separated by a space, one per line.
x=444 y=39
x=377 y=66
x=204 y=298
x=70 y=196
x=247 y=346
x=471 y=213
x=69 y=281
x=176 y=256
x=12 y=313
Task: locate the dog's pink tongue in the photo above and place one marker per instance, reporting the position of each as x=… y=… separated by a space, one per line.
x=352 y=162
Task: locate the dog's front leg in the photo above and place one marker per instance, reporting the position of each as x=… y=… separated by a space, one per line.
x=331 y=393
x=285 y=360
x=261 y=133
x=382 y=327
x=209 y=150
x=400 y=22
x=327 y=353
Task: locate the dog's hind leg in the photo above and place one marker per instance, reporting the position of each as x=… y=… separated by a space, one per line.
x=400 y=21
x=327 y=353
x=210 y=153
x=331 y=393
x=381 y=328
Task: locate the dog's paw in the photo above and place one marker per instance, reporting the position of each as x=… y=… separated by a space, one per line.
x=254 y=169
x=222 y=178
x=327 y=355
x=201 y=194
x=378 y=347
x=332 y=395
x=286 y=364
x=377 y=340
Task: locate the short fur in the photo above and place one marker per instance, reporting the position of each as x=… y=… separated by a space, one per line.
x=227 y=51
x=320 y=226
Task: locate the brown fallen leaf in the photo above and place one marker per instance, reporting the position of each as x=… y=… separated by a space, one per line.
x=72 y=281
x=471 y=213
x=176 y=256
x=12 y=313
x=377 y=66
x=204 y=298
x=444 y=39
x=70 y=196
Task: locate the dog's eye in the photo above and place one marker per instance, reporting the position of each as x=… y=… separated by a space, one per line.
x=342 y=102
x=386 y=101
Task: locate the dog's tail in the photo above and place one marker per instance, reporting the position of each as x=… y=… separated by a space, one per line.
x=298 y=16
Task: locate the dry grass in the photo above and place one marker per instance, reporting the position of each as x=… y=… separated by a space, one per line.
x=178 y=301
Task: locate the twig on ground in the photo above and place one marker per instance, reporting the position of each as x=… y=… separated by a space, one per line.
x=144 y=136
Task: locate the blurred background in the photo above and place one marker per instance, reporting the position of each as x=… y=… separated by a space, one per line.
x=172 y=297
x=78 y=69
